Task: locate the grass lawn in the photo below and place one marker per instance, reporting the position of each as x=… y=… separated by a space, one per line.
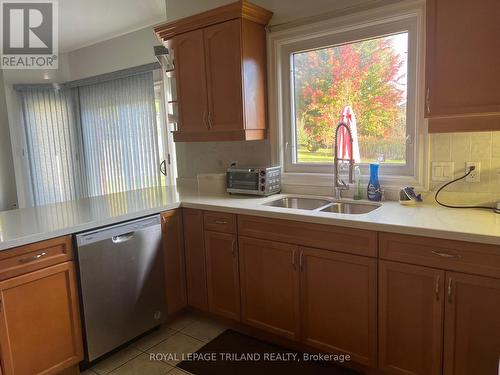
x=325 y=155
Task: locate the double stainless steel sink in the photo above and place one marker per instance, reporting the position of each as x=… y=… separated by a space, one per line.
x=323 y=205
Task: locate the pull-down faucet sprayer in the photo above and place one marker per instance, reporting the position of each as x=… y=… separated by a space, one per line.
x=338 y=183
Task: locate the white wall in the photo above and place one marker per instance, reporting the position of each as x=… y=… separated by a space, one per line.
x=122 y=52
x=284 y=10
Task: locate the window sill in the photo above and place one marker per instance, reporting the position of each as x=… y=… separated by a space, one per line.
x=313 y=181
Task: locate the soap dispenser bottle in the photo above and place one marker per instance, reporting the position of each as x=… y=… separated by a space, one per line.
x=374 y=192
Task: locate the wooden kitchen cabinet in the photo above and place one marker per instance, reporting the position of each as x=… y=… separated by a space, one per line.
x=40 y=329
x=411 y=308
x=472 y=325
x=194 y=247
x=220 y=69
x=462 y=65
x=175 y=274
x=269 y=286
x=338 y=299
x=191 y=81
x=223 y=274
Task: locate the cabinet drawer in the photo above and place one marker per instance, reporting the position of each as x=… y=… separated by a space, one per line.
x=451 y=255
x=329 y=237
x=24 y=259
x=219 y=222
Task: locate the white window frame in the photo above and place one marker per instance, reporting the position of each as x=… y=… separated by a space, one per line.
x=282 y=43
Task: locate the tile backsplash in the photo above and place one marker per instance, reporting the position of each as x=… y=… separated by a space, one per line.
x=459 y=148
x=214 y=157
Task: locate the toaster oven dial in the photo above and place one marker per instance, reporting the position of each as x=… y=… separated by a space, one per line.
x=262 y=188
x=262 y=173
x=262 y=180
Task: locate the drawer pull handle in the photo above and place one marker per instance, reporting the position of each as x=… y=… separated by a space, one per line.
x=220 y=222
x=446 y=255
x=293 y=260
x=301 y=265
x=32 y=259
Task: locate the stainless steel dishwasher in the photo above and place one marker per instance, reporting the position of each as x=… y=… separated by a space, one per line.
x=122 y=283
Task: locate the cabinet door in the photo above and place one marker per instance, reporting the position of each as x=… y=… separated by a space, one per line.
x=463 y=61
x=191 y=81
x=472 y=325
x=222 y=274
x=411 y=304
x=175 y=269
x=339 y=303
x=224 y=77
x=194 y=246
x=269 y=286
x=40 y=327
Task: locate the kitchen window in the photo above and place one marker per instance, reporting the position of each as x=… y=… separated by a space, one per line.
x=96 y=136
x=360 y=69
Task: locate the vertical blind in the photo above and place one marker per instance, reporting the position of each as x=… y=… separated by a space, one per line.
x=52 y=145
x=120 y=140
x=91 y=140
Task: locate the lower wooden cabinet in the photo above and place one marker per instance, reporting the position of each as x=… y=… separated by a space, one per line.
x=194 y=247
x=40 y=329
x=427 y=314
x=174 y=257
x=410 y=319
x=471 y=325
x=269 y=286
x=223 y=274
x=339 y=303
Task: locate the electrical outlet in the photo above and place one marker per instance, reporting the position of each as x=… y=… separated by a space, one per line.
x=475 y=176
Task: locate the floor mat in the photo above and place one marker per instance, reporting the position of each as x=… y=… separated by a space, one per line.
x=234 y=353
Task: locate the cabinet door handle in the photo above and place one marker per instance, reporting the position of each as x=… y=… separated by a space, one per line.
x=220 y=222
x=209 y=120
x=233 y=247
x=436 y=287
x=446 y=255
x=205 y=119
x=450 y=289
x=428 y=101
x=33 y=258
x=293 y=260
x=301 y=264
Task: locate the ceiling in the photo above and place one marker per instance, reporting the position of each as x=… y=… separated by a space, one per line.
x=86 y=22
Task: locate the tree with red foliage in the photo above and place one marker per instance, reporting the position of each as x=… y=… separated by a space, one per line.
x=364 y=75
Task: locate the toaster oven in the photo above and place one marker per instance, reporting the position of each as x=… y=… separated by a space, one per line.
x=253 y=180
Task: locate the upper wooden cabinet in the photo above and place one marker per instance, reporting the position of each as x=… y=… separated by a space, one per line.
x=220 y=69
x=463 y=65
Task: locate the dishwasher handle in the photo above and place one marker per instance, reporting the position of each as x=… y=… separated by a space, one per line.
x=123 y=237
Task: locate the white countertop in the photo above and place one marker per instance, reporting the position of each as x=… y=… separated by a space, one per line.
x=23 y=226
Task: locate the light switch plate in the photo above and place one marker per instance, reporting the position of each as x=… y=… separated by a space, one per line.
x=442 y=170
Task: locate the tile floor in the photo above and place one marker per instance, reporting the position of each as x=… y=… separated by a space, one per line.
x=186 y=334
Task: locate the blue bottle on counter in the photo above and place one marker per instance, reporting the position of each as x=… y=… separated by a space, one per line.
x=373 y=191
